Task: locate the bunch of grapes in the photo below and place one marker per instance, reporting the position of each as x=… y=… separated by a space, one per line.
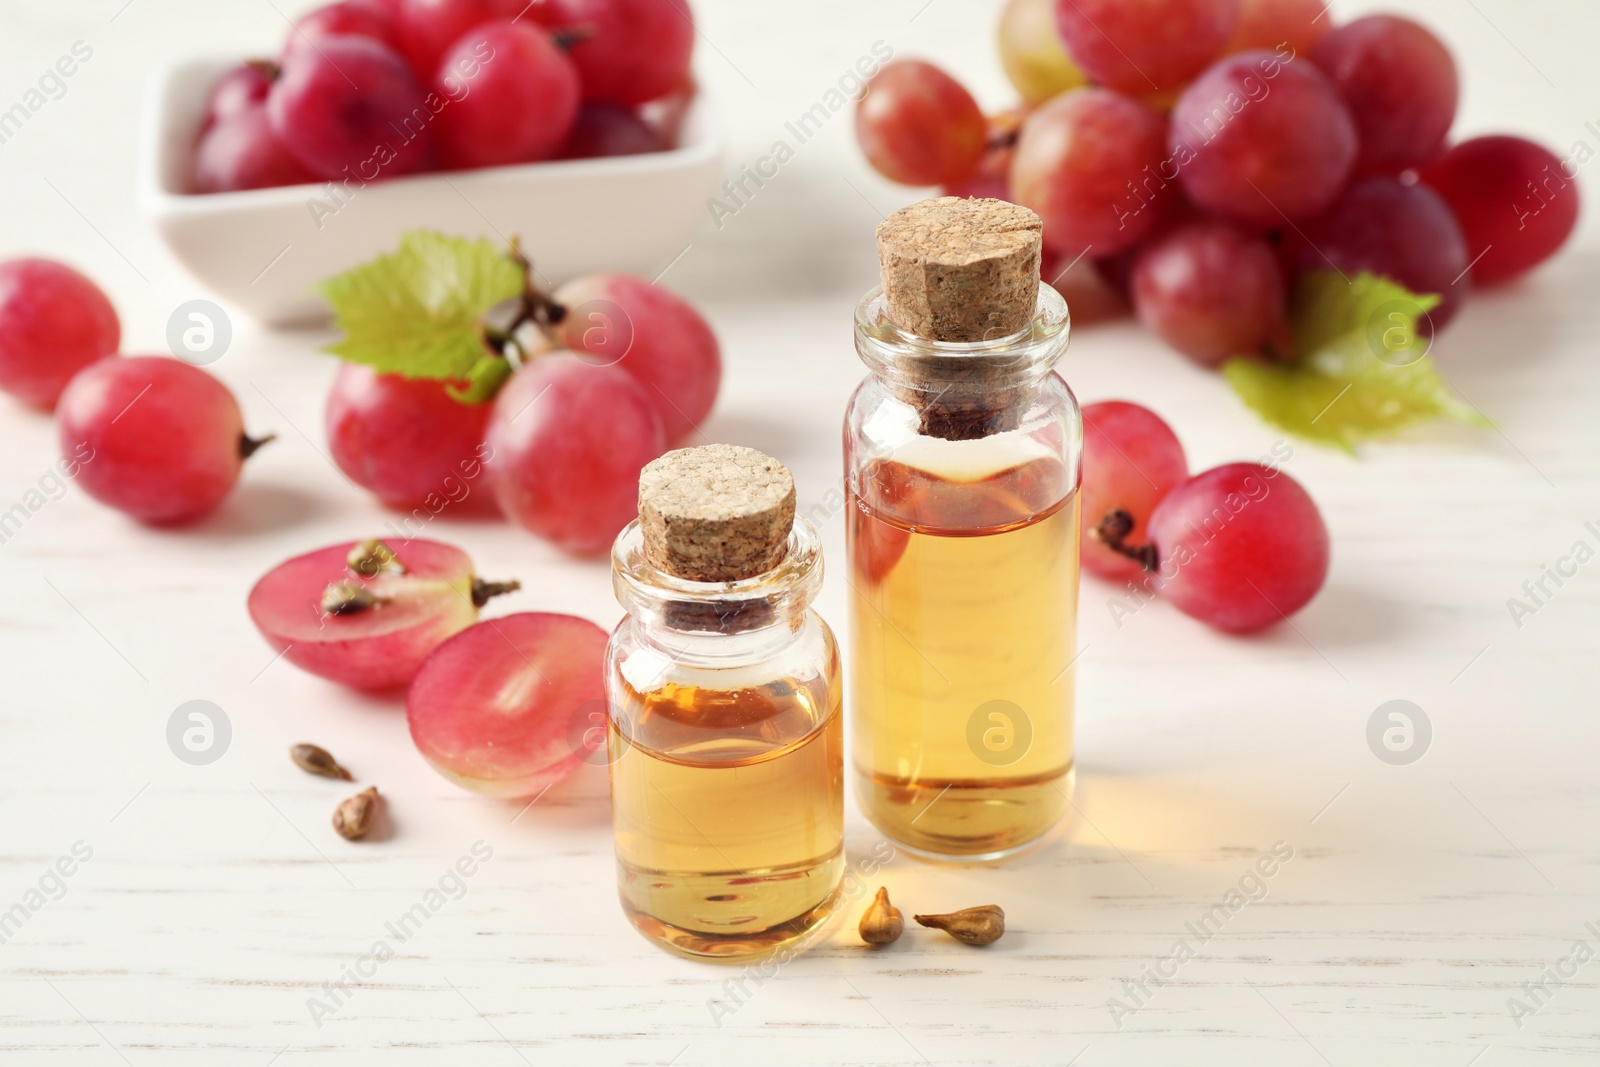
x=372 y=89
x=1205 y=154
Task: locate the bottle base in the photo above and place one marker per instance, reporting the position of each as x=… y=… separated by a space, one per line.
x=966 y=822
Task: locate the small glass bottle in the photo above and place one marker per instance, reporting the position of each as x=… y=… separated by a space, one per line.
x=962 y=454
x=725 y=733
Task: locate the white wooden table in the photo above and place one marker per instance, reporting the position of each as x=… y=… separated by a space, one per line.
x=217 y=908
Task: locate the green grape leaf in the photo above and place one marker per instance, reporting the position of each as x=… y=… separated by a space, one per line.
x=1360 y=369
x=418 y=311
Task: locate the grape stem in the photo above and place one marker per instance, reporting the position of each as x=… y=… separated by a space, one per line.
x=1112 y=532
x=533 y=307
x=483 y=592
x=249 y=445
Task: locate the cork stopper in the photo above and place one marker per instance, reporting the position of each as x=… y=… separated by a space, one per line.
x=960 y=271
x=717 y=513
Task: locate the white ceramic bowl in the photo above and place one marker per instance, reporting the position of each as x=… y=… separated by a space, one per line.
x=261 y=251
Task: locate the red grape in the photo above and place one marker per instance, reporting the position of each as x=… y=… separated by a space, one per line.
x=351 y=104
x=240 y=89
x=1032 y=53
x=603 y=130
x=493 y=710
x=53 y=323
x=567 y=441
x=163 y=441
x=1089 y=163
x=1400 y=84
x=1239 y=547
x=630 y=51
x=362 y=623
x=512 y=96
x=1131 y=459
x=429 y=27
x=345 y=18
x=1517 y=202
x=992 y=177
x=403 y=438
x=918 y=126
x=1145 y=46
x=1259 y=140
x=653 y=335
x=242 y=152
x=1403 y=232
x=1211 y=292
x=1294 y=25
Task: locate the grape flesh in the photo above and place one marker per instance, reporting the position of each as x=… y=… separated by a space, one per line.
x=381 y=645
x=505 y=708
x=1145 y=47
x=53 y=323
x=512 y=96
x=1295 y=25
x=1260 y=141
x=919 y=126
x=652 y=334
x=1403 y=232
x=567 y=440
x=350 y=104
x=1089 y=164
x=1239 y=547
x=603 y=130
x=1032 y=53
x=240 y=89
x=1211 y=291
x=1400 y=84
x=1517 y=203
x=1131 y=459
x=158 y=439
x=242 y=152
x=346 y=18
x=404 y=439
x=428 y=27
x=632 y=51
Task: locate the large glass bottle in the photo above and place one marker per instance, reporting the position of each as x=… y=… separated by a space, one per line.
x=962 y=464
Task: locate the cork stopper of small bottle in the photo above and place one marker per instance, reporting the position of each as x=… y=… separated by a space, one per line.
x=962 y=270
x=716 y=513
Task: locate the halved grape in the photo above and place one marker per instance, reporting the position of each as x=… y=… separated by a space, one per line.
x=1260 y=141
x=919 y=126
x=1131 y=459
x=1090 y=164
x=366 y=614
x=242 y=152
x=627 y=51
x=53 y=323
x=503 y=708
x=1032 y=53
x=1239 y=547
x=1211 y=291
x=1145 y=47
x=1295 y=26
x=513 y=96
x=1517 y=202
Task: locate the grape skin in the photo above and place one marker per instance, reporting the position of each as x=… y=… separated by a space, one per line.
x=1211 y=291
x=1517 y=202
x=1131 y=459
x=53 y=323
x=240 y=89
x=242 y=152
x=919 y=126
x=1239 y=547
x=604 y=130
x=1299 y=24
x=512 y=96
x=634 y=51
x=1145 y=47
x=347 y=18
x=1032 y=53
x=428 y=27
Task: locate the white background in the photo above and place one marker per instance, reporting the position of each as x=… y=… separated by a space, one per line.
x=1420 y=898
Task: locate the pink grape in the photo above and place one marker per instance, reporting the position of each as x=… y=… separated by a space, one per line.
x=1088 y=163
x=604 y=130
x=1403 y=232
x=652 y=334
x=567 y=440
x=629 y=51
x=428 y=28
x=513 y=96
x=919 y=126
x=350 y=104
x=384 y=622
x=992 y=177
x=1239 y=547
x=161 y=440
x=345 y=18
x=53 y=323
x=502 y=708
x=1131 y=459
x=1145 y=47
x=1296 y=25
x=242 y=152
x=1400 y=84
x=1032 y=53
x=240 y=89
x=1517 y=203
x=1259 y=141
x=405 y=439
x=1211 y=291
